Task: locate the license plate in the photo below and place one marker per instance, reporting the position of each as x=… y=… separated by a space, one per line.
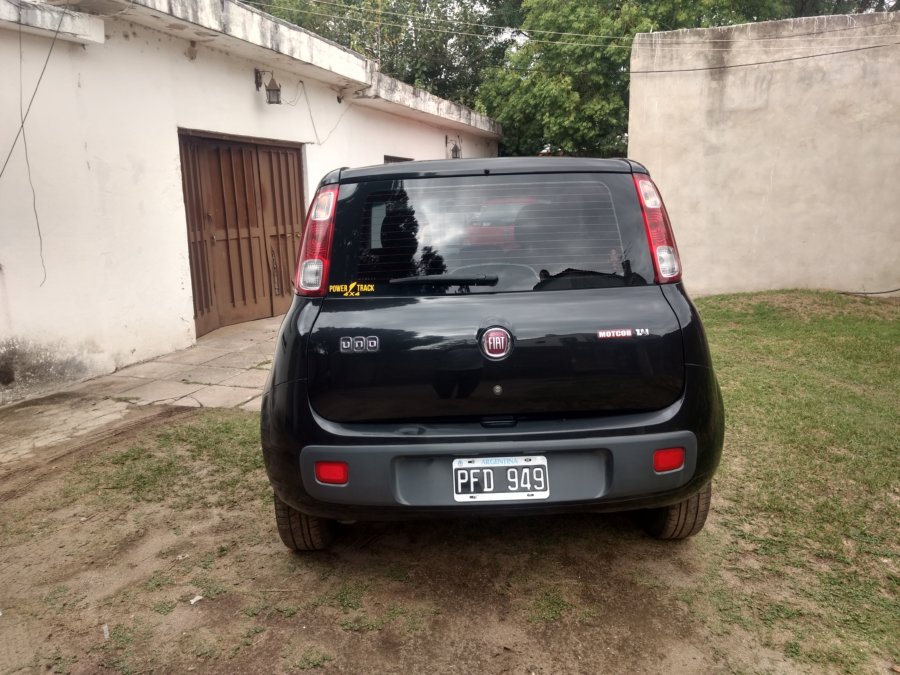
x=497 y=479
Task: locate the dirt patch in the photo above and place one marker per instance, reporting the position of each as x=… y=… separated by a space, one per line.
x=48 y=427
x=106 y=546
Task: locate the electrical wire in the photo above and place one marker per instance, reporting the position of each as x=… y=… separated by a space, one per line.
x=636 y=72
x=12 y=147
x=761 y=63
x=309 y=110
x=513 y=29
x=675 y=46
x=37 y=218
x=336 y=124
x=23 y=114
x=690 y=70
x=297 y=10
x=301 y=91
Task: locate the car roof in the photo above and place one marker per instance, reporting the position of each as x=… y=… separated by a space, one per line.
x=490 y=165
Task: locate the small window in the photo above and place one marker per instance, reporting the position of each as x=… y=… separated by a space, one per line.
x=392 y=159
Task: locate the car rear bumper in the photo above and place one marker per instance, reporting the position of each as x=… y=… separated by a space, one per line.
x=405 y=470
x=586 y=471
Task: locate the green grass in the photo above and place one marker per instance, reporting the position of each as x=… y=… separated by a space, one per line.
x=208 y=587
x=808 y=487
x=311 y=658
x=802 y=549
x=212 y=460
x=349 y=596
x=548 y=606
x=120 y=649
x=157 y=581
x=364 y=623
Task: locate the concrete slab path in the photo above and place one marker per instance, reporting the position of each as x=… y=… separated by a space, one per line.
x=225 y=369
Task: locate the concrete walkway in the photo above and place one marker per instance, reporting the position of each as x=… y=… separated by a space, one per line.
x=225 y=369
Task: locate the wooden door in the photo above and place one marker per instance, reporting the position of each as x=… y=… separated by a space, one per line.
x=242 y=201
x=281 y=211
x=206 y=313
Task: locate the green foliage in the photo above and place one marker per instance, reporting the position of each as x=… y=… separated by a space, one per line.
x=440 y=45
x=568 y=94
x=564 y=92
x=555 y=74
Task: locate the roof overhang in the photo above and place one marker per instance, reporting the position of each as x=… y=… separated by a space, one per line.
x=244 y=31
x=38 y=18
x=399 y=98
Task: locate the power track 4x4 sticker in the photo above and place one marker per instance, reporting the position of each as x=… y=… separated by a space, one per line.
x=352 y=290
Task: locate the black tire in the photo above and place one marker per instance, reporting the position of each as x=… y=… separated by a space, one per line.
x=681 y=520
x=301 y=532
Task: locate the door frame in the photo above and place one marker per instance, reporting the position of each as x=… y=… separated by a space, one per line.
x=201 y=325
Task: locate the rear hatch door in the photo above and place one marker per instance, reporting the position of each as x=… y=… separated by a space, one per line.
x=430 y=315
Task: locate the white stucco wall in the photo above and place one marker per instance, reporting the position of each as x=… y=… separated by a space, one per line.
x=103 y=144
x=776 y=175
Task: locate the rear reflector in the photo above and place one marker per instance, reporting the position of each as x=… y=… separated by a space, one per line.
x=666 y=262
x=333 y=473
x=668 y=459
x=315 y=252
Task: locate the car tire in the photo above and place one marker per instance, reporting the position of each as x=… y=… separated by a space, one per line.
x=681 y=520
x=302 y=532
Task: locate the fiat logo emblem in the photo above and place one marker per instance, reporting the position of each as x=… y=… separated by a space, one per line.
x=496 y=343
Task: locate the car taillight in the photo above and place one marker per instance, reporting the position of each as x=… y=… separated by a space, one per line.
x=315 y=252
x=666 y=262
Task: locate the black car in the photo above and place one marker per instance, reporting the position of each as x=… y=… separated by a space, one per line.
x=433 y=366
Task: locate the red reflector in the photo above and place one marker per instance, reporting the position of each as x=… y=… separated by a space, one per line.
x=333 y=473
x=668 y=459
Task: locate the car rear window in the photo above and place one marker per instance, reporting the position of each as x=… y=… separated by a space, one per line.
x=488 y=234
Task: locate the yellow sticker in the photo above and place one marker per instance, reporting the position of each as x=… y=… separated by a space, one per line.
x=352 y=290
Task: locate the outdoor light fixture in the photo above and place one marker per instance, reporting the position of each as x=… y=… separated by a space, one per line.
x=273 y=89
x=454 y=147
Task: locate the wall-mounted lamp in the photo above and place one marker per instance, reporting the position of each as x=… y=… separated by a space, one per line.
x=454 y=147
x=273 y=89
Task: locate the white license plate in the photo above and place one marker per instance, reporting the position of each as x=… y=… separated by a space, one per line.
x=498 y=479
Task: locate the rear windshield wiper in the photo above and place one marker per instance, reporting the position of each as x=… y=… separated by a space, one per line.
x=450 y=279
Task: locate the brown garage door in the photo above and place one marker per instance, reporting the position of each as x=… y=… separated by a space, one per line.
x=244 y=208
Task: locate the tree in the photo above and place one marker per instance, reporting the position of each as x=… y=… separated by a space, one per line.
x=564 y=88
x=566 y=92
x=443 y=46
x=553 y=72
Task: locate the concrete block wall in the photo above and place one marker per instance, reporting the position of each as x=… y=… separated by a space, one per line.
x=782 y=174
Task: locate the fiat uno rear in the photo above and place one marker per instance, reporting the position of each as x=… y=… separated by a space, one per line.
x=438 y=362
